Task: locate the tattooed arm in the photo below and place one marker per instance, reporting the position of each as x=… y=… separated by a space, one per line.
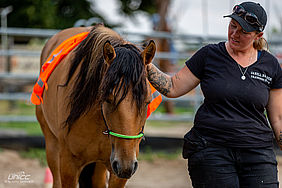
x=274 y=111
x=172 y=86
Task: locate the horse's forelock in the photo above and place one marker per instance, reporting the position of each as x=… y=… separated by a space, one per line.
x=125 y=74
x=89 y=56
x=127 y=71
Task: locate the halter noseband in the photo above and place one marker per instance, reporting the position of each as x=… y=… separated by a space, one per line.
x=109 y=132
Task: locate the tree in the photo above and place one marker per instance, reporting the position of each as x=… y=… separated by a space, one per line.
x=60 y=14
x=55 y=14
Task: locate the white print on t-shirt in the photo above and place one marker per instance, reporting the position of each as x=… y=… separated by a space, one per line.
x=261 y=76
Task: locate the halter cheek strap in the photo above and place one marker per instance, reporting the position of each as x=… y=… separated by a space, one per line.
x=109 y=132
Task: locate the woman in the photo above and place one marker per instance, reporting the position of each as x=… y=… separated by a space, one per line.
x=230 y=144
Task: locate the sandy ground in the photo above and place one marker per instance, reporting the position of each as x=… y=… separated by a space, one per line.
x=160 y=173
x=157 y=174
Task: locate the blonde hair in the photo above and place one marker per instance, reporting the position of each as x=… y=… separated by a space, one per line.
x=260 y=44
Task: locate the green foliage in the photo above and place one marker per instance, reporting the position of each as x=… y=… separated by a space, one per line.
x=68 y=11
x=60 y=14
x=56 y=14
x=29 y=13
x=129 y=7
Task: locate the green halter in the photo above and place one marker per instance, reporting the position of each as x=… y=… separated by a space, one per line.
x=141 y=134
x=109 y=132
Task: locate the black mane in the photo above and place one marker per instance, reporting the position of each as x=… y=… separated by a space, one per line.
x=96 y=80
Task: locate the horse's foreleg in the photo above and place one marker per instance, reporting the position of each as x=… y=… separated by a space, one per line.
x=52 y=155
x=51 y=147
x=99 y=177
x=116 y=182
x=69 y=168
x=93 y=175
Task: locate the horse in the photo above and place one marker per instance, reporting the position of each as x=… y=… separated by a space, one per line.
x=94 y=111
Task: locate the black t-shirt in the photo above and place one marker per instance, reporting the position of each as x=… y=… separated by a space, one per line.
x=233 y=112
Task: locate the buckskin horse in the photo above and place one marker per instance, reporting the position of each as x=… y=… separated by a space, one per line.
x=94 y=111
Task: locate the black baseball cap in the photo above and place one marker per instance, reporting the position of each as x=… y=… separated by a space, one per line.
x=254 y=8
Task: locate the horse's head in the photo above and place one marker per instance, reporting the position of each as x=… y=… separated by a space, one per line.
x=109 y=81
x=124 y=99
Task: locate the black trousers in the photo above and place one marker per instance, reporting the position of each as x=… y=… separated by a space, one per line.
x=213 y=166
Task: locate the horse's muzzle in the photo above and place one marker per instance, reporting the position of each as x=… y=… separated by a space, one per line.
x=122 y=170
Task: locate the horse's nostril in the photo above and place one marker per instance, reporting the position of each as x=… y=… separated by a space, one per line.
x=124 y=171
x=115 y=166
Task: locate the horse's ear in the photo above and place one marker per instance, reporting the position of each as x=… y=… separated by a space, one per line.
x=149 y=52
x=109 y=52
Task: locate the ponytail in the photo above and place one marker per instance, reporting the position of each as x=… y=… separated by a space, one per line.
x=261 y=44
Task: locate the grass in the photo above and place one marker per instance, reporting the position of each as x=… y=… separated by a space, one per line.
x=177 y=109
x=31 y=128
x=19 y=108
x=150 y=156
x=35 y=153
x=163 y=124
x=16 y=108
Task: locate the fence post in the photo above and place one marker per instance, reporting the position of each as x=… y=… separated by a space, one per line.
x=4 y=38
